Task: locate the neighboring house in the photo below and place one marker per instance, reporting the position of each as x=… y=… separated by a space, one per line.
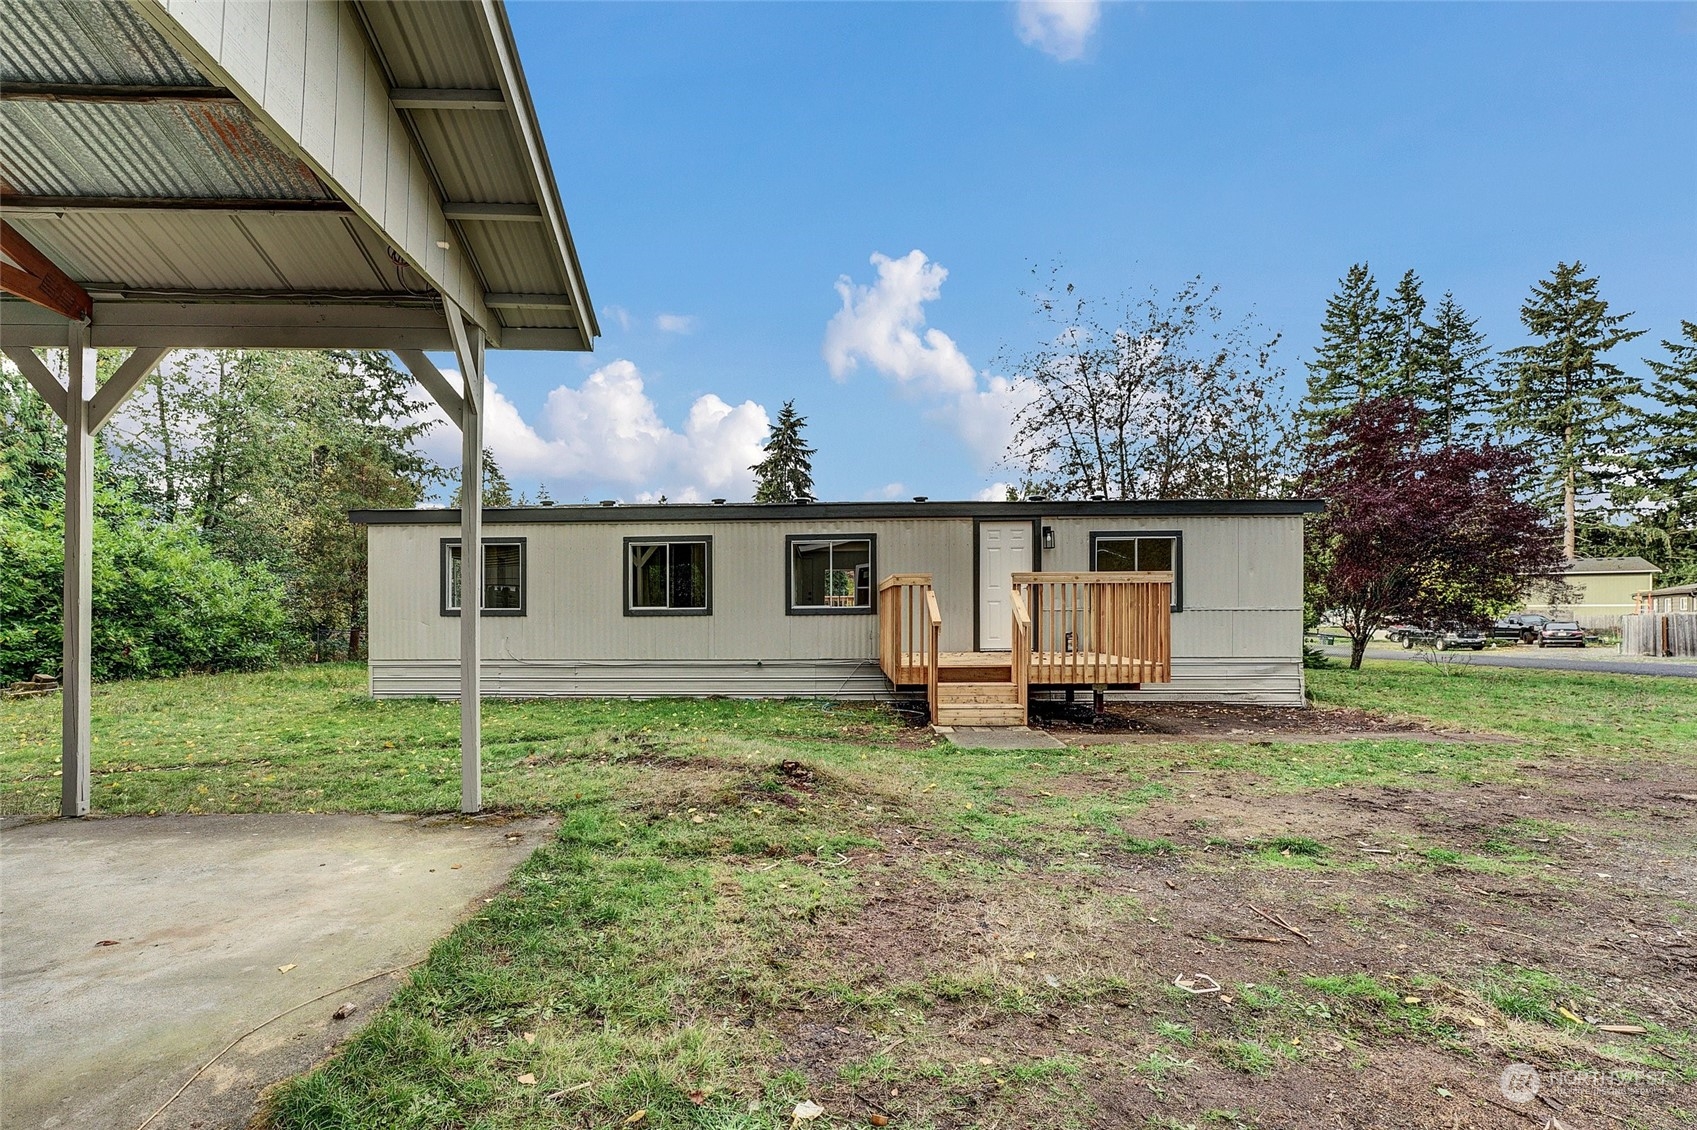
x=1604 y=590
x=831 y=599
x=1679 y=598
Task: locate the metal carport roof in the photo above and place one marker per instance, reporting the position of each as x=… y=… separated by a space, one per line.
x=283 y=173
x=310 y=174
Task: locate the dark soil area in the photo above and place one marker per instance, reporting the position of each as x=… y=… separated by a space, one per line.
x=1570 y=894
x=1220 y=721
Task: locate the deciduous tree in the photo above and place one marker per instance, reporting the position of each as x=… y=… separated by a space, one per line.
x=1158 y=398
x=1410 y=532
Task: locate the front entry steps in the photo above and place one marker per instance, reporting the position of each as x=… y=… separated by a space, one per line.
x=979 y=704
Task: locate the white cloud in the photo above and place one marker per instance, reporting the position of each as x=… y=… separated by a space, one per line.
x=995 y=492
x=888 y=492
x=618 y=314
x=676 y=323
x=607 y=433
x=1059 y=28
x=881 y=324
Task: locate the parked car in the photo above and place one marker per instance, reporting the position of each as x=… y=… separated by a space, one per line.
x=1523 y=626
x=1396 y=633
x=1561 y=633
x=1446 y=638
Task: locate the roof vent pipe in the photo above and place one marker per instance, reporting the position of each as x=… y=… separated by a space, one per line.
x=546 y=502
x=919 y=497
x=609 y=502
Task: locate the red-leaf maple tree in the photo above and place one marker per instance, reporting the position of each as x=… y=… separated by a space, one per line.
x=1417 y=533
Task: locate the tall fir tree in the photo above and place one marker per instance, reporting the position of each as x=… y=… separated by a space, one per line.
x=1666 y=502
x=1352 y=361
x=786 y=474
x=1408 y=368
x=1460 y=375
x=1561 y=393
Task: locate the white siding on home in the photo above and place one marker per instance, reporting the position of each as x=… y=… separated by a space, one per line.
x=1238 y=637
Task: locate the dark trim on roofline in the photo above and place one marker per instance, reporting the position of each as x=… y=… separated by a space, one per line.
x=846 y=511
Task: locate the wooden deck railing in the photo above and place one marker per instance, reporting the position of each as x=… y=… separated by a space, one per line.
x=910 y=627
x=1021 y=650
x=1091 y=629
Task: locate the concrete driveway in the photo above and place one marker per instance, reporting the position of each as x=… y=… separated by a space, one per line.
x=132 y=950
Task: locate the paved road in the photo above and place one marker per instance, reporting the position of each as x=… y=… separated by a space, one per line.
x=136 y=948
x=1591 y=659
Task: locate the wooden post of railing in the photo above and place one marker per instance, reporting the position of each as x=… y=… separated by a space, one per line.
x=1021 y=639
x=933 y=661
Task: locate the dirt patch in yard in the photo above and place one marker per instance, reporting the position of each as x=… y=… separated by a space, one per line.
x=1383 y=953
x=1182 y=721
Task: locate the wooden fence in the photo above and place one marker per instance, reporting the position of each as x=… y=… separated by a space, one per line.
x=1659 y=634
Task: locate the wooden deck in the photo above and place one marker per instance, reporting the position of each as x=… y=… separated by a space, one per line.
x=1070 y=669
x=1068 y=630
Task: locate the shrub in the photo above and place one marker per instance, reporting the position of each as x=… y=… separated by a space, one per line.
x=163 y=602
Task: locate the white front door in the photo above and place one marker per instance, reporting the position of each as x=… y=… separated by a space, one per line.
x=1004 y=548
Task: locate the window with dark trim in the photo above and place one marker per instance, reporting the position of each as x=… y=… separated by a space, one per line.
x=829 y=573
x=668 y=576
x=1141 y=551
x=503 y=576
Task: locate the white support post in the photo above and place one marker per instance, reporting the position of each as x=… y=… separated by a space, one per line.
x=74 y=677
x=468 y=350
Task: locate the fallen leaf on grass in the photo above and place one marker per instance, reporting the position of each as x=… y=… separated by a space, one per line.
x=698 y=1097
x=806 y=1111
x=530 y=1037
x=637 y=1117
x=528 y=1079
x=285 y=968
x=1569 y=1015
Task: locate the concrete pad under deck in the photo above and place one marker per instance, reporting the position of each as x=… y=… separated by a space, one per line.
x=999 y=737
x=204 y=910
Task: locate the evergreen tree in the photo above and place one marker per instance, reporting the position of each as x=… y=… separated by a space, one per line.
x=1352 y=360
x=1460 y=381
x=1666 y=498
x=786 y=474
x=1408 y=367
x=1563 y=396
x=497 y=490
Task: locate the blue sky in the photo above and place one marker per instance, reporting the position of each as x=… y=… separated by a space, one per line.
x=731 y=169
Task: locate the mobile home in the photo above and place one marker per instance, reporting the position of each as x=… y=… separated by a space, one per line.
x=1195 y=600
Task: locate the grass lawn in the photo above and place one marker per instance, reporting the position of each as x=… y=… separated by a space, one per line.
x=752 y=904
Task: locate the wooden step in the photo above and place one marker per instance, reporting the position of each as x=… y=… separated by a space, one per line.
x=1003 y=693
x=981 y=714
x=979 y=704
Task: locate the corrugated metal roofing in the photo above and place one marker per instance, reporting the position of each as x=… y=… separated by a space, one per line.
x=82 y=152
x=190 y=150
x=90 y=41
